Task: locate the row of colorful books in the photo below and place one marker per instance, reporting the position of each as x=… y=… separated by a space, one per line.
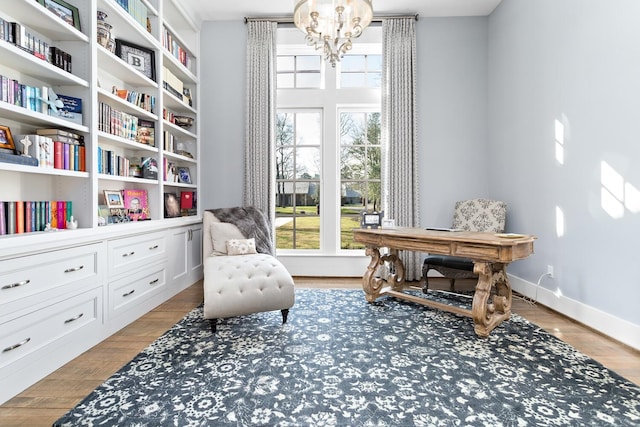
x=22 y=37
x=20 y=216
x=56 y=148
x=142 y=100
x=124 y=125
x=170 y=43
x=137 y=9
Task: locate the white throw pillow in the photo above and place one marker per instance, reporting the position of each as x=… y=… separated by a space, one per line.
x=221 y=232
x=241 y=246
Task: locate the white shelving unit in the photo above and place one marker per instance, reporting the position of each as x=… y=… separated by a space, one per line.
x=163 y=254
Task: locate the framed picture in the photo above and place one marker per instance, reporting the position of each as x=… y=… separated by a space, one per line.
x=371 y=219
x=64 y=10
x=184 y=175
x=136 y=203
x=171 y=205
x=6 y=140
x=113 y=199
x=138 y=57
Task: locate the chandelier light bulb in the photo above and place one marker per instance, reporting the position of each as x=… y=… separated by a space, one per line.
x=330 y=25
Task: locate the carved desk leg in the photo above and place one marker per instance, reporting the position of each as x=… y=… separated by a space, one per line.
x=373 y=284
x=487 y=315
x=370 y=283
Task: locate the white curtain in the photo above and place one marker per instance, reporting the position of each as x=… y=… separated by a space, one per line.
x=259 y=184
x=399 y=130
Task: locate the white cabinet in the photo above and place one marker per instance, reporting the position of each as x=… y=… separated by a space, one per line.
x=185 y=256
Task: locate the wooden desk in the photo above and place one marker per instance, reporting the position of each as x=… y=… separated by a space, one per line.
x=490 y=254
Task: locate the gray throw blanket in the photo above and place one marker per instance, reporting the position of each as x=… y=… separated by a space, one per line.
x=252 y=223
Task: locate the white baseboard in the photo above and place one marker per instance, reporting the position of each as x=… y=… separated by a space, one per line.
x=614 y=327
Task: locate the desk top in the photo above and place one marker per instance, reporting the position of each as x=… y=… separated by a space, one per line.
x=479 y=246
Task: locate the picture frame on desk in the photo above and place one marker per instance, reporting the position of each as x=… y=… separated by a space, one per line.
x=138 y=57
x=113 y=199
x=64 y=11
x=371 y=219
x=6 y=141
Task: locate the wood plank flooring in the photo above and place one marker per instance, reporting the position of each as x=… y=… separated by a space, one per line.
x=50 y=398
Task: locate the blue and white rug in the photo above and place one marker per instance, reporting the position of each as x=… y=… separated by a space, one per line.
x=340 y=361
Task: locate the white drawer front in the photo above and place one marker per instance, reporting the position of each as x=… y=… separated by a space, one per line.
x=128 y=291
x=132 y=252
x=41 y=277
x=31 y=332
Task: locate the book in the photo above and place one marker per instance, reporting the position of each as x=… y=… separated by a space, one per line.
x=149 y=167
x=136 y=203
x=18 y=159
x=3 y=218
x=146 y=132
x=72 y=109
x=186 y=200
x=58 y=155
x=62 y=216
x=19 y=217
x=11 y=217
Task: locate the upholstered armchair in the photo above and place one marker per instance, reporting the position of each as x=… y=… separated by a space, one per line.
x=241 y=274
x=470 y=215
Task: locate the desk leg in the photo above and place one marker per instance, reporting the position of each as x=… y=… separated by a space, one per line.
x=372 y=284
x=487 y=315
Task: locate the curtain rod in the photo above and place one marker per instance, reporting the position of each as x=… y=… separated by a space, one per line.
x=289 y=19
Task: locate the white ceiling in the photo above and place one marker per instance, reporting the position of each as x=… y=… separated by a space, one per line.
x=216 y=10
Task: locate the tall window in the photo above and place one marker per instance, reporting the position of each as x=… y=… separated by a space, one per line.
x=327 y=146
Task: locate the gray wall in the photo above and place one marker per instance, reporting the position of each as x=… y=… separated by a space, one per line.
x=452 y=114
x=578 y=62
x=222 y=95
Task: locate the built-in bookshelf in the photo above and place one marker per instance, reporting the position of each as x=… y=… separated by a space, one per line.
x=129 y=112
x=94 y=244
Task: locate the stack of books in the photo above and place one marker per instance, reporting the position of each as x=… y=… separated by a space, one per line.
x=20 y=216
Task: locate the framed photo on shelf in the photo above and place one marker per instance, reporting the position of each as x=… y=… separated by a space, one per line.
x=64 y=11
x=138 y=57
x=184 y=175
x=171 y=205
x=6 y=140
x=113 y=199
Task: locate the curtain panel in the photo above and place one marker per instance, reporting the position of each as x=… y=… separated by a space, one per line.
x=259 y=181
x=399 y=130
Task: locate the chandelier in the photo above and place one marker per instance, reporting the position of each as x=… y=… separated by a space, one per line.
x=331 y=24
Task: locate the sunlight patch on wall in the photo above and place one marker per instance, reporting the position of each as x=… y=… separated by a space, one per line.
x=559 y=138
x=559 y=222
x=616 y=194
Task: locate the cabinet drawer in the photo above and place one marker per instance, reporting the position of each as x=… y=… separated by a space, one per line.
x=130 y=290
x=26 y=334
x=44 y=276
x=136 y=251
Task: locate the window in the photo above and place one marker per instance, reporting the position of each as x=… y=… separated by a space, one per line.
x=360 y=160
x=328 y=146
x=298 y=137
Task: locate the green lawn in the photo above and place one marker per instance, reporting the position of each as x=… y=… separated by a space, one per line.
x=308 y=233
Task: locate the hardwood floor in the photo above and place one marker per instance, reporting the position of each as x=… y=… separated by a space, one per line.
x=50 y=398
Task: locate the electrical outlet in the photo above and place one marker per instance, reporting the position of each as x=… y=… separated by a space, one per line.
x=550 y=270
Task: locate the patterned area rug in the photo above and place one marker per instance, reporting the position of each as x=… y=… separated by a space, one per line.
x=340 y=361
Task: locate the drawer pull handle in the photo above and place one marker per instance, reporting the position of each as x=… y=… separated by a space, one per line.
x=20 y=344
x=153 y=247
x=73 y=319
x=153 y=282
x=71 y=270
x=15 y=285
x=128 y=293
x=129 y=254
